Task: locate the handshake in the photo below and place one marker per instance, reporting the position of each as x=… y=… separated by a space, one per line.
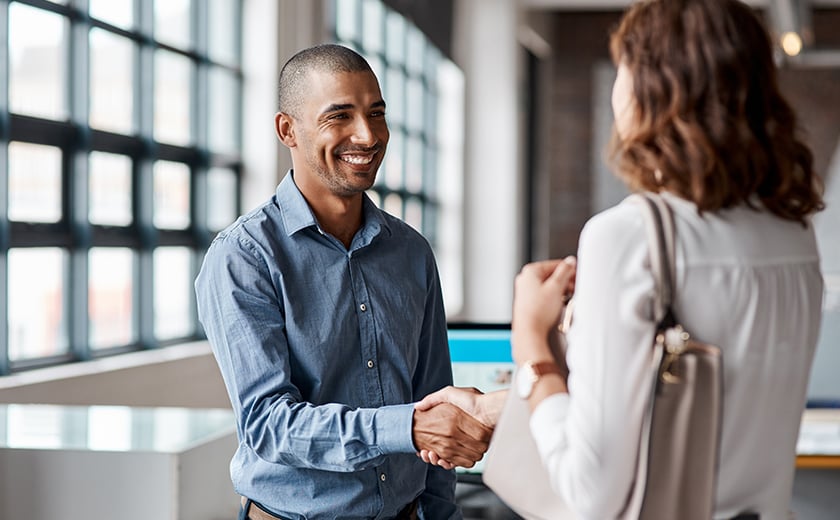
x=453 y=426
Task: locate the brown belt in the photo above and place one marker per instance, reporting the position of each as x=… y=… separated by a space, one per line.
x=255 y=512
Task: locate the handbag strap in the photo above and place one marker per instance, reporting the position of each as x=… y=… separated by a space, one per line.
x=659 y=226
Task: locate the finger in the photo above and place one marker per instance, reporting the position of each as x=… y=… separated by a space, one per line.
x=541 y=269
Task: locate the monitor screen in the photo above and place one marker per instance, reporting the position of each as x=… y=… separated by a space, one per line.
x=480 y=354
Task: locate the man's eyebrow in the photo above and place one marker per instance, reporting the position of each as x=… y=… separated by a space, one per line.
x=335 y=107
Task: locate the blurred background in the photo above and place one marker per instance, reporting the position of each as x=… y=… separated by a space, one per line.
x=132 y=131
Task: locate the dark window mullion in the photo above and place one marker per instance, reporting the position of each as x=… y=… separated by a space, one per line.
x=4 y=162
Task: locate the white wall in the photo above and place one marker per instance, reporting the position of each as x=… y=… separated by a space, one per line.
x=486 y=49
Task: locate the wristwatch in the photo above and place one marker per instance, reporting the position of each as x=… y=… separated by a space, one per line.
x=530 y=372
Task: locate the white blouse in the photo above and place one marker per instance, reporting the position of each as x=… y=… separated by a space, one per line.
x=746 y=281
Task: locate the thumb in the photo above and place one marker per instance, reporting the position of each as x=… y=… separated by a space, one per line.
x=430 y=401
x=562 y=272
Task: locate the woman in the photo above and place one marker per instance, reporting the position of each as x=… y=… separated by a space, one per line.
x=700 y=119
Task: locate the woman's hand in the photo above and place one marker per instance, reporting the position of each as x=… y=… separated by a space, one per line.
x=541 y=291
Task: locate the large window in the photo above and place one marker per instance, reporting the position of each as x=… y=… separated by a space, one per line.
x=119 y=160
x=421 y=178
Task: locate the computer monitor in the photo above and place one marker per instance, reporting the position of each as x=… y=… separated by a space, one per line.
x=480 y=354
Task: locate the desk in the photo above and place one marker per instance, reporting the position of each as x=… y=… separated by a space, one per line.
x=82 y=462
x=819 y=439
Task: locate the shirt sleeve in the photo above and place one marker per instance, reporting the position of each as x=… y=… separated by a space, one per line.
x=239 y=310
x=589 y=438
x=435 y=372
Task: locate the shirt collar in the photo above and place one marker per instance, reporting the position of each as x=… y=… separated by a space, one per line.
x=297 y=214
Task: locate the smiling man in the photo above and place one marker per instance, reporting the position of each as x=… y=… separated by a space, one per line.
x=326 y=318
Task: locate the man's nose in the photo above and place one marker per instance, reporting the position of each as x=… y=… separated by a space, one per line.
x=363 y=132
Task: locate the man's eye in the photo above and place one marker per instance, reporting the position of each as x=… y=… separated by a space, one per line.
x=338 y=116
x=378 y=113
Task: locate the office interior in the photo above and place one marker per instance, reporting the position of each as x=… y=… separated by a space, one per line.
x=132 y=131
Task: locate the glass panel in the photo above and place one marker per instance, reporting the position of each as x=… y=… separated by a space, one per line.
x=172 y=23
x=172 y=98
x=414 y=165
x=34 y=428
x=223 y=111
x=393 y=177
x=376 y=65
x=111 y=296
x=37 y=62
x=221 y=198
x=36 y=294
x=34 y=182
x=172 y=195
x=111 y=82
x=395 y=34
x=172 y=292
x=393 y=205
x=372 y=15
x=115 y=12
x=109 y=189
x=109 y=428
x=395 y=96
x=223 y=31
x=414 y=110
x=414 y=214
x=345 y=19
x=415 y=44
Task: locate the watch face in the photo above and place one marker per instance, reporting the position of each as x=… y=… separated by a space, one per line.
x=524 y=381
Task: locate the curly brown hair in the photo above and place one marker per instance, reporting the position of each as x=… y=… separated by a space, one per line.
x=708 y=111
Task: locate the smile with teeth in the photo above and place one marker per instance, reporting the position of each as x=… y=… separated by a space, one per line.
x=357 y=159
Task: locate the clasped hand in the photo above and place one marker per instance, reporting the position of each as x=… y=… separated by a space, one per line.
x=541 y=292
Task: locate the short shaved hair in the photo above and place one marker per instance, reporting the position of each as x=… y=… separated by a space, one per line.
x=292 y=85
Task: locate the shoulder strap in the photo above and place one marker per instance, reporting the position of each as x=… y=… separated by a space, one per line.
x=659 y=225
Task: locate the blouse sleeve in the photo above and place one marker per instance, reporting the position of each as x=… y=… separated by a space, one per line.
x=589 y=437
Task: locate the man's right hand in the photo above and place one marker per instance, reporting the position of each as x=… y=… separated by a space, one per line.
x=451 y=433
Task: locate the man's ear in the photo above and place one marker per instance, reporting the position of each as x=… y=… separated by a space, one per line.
x=284 y=126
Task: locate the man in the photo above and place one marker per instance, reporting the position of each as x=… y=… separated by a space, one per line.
x=326 y=318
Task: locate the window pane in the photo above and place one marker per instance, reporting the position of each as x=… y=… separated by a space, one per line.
x=414 y=165
x=172 y=23
x=111 y=296
x=372 y=14
x=394 y=96
x=34 y=183
x=223 y=31
x=223 y=111
x=393 y=205
x=346 y=23
x=111 y=82
x=393 y=177
x=221 y=198
x=109 y=189
x=115 y=12
x=414 y=214
x=172 y=98
x=415 y=45
x=172 y=292
x=414 y=115
x=37 y=320
x=395 y=33
x=37 y=62
x=172 y=195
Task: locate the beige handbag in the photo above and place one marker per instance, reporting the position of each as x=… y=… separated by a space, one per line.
x=678 y=445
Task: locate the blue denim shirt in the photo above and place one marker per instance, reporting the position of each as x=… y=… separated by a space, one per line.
x=323 y=350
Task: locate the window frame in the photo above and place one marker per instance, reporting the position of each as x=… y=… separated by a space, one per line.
x=74 y=233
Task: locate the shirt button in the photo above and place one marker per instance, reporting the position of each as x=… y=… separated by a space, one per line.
x=370 y=363
x=382 y=477
x=363 y=307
